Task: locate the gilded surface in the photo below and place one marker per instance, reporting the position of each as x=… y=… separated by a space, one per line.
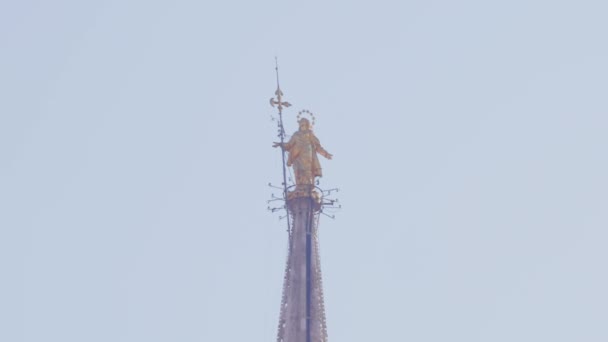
x=303 y=148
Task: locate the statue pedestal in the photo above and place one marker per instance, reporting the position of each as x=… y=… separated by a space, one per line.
x=302 y=193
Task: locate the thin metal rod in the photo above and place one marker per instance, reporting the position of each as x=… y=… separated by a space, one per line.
x=276 y=63
x=282 y=137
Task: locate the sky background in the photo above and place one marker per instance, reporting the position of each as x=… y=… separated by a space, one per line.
x=469 y=142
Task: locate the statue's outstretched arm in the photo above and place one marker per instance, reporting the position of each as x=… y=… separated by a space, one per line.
x=322 y=152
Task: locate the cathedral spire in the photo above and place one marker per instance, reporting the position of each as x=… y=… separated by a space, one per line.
x=302 y=314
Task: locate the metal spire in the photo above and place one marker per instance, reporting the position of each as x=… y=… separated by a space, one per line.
x=280 y=104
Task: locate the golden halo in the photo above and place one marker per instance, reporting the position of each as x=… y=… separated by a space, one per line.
x=312 y=116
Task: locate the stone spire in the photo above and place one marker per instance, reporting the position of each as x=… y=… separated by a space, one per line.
x=302 y=314
x=302 y=317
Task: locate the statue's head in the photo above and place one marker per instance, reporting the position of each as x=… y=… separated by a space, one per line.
x=304 y=124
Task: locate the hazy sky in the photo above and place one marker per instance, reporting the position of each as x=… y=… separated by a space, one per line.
x=469 y=142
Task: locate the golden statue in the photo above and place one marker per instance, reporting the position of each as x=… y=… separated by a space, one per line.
x=303 y=148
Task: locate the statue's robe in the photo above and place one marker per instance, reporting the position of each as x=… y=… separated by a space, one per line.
x=303 y=148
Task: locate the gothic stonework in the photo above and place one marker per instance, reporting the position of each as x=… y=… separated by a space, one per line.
x=292 y=322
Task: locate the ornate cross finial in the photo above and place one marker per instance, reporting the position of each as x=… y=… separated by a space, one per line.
x=278 y=101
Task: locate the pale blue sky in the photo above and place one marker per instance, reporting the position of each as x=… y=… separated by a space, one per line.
x=469 y=142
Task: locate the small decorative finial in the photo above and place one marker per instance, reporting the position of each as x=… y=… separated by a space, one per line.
x=278 y=101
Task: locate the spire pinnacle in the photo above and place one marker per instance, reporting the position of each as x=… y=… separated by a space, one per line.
x=279 y=99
